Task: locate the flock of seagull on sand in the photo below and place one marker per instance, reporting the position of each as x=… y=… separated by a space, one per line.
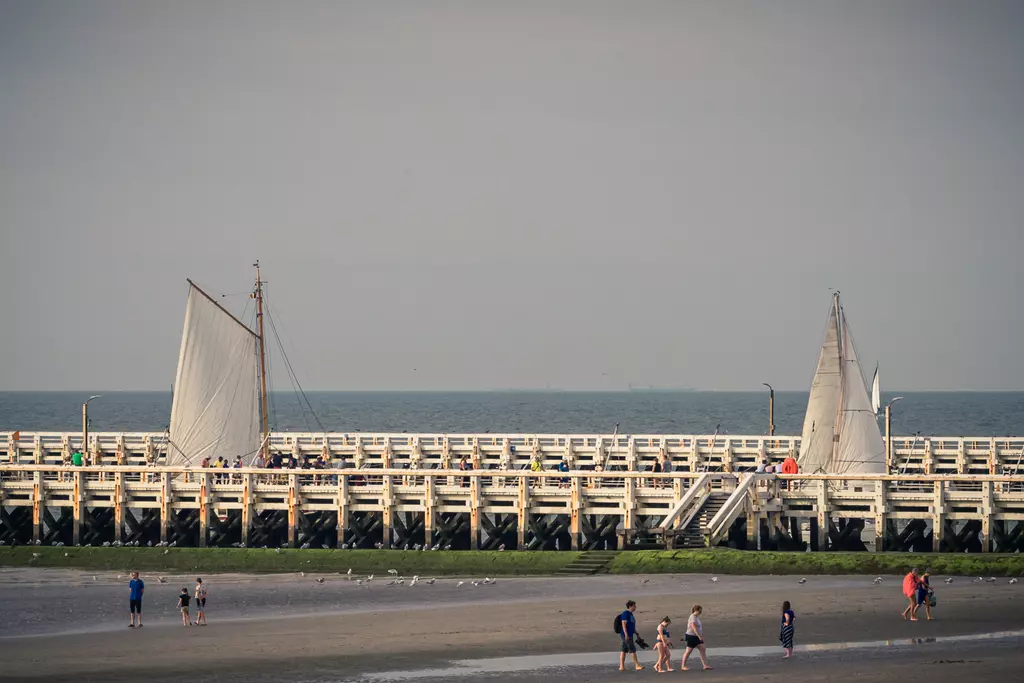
x=397 y=579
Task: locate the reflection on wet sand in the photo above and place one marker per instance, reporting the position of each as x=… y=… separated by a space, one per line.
x=473 y=667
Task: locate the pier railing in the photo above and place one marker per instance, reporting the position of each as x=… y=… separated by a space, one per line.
x=619 y=452
x=202 y=506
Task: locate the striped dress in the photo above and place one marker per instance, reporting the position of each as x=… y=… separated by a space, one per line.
x=786 y=635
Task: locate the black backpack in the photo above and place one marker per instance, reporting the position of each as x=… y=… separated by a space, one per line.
x=617 y=624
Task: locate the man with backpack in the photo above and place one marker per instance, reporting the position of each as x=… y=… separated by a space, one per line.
x=625 y=626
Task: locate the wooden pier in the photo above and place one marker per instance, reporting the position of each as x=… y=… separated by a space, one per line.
x=402 y=490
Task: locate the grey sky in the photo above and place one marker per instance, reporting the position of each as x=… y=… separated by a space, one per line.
x=516 y=194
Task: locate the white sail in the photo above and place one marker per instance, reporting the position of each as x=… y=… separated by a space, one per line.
x=215 y=409
x=876 y=393
x=816 y=442
x=861 y=449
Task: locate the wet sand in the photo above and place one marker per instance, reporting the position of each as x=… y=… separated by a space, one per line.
x=62 y=625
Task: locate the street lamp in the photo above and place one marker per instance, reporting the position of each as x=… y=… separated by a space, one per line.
x=85 y=427
x=888 y=433
x=771 y=409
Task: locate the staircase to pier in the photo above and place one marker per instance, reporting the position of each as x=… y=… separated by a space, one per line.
x=590 y=562
x=694 y=533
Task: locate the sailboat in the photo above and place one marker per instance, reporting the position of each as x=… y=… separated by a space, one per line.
x=840 y=434
x=219 y=407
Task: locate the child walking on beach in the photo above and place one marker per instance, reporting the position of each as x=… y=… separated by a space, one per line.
x=183 y=599
x=200 y=602
x=786 y=634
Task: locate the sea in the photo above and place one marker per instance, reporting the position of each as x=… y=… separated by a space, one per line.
x=981 y=414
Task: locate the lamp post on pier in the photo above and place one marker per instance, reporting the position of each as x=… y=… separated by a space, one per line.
x=888 y=433
x=85 y=427
x=771 y=409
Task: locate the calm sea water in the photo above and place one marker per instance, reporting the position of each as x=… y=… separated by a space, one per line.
x=940 y=414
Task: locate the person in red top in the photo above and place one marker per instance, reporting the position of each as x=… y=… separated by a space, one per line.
x=910 y=584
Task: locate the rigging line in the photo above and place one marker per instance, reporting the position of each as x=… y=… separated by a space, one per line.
x=294 y=374
x=291 y=370
x=291 y=344
x=291 y=377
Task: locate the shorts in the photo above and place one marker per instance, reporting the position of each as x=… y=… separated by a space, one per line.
x=200 y=604
x=135 y=606
x=628 y=646
x=922 y=597
x=693 y=641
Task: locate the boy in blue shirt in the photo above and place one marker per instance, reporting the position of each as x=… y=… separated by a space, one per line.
x=136 y=588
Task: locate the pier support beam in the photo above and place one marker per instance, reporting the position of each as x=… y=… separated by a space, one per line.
x=119 y=505
x=166 y=509
x=247 y=511
x=429 y=512
x=293 y=508
x=523 y=512
x=938 y=516
x=575 y=528
x=37 y=506
x=881 y=518
x=823 y=517
x=474 y=513
x=986 y=517
x=388 y=501
x=77 y=498
x=204 y=508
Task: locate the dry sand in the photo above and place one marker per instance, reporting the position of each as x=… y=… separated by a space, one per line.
x=288 y=628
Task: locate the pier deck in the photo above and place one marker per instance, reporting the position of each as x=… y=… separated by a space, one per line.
x=688 y=453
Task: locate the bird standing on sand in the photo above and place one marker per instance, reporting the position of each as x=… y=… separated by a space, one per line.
x=430 y=582
x=802 y=581
x=460 y=584
x=949 y=580
x=1013 y=581
x=714 y=579
x=877 y=581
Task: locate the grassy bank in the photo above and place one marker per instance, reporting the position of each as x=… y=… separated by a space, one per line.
x=487 y=563
x=721 y=561
x=212 y=560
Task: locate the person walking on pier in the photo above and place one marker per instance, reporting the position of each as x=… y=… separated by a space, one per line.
x=695 y=639
x=786 y=634
x=200 y=602
x=627 y=629
x=910 y=584
x=136 y=587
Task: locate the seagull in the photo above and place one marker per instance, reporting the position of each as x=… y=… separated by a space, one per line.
x=714 y=579
x=320 y=580
x=476 y=583
x=393 y=572
x=990 y=579
x=392 y=582
x=802 y=581
x=277 y=550
x=978 y=580
x=40 y=555
x=415 y=577
x=487 y=580
x=949 y=580
x=370 y=577
x=1013 y=581
x=325 y=546
x=349 y=574
x=460 y=584
x=162 y=579
x=877 y=581
x=501 y=548
x=413 y=582
x=359 y=582
x=430 y=582
x=302 y=573
x=645 y=581
x=166 y=551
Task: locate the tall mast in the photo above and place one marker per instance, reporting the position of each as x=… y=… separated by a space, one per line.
x=837 y=425
x=264 y=412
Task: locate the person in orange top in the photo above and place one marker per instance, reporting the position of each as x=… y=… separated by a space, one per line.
x=789 y=466
x=910 y=583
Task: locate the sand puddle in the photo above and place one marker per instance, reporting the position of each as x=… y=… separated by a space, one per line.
x=474 y=667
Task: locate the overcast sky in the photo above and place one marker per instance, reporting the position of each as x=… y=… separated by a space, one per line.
x=520 y=194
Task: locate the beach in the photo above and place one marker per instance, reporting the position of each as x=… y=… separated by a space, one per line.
x=64 y=625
